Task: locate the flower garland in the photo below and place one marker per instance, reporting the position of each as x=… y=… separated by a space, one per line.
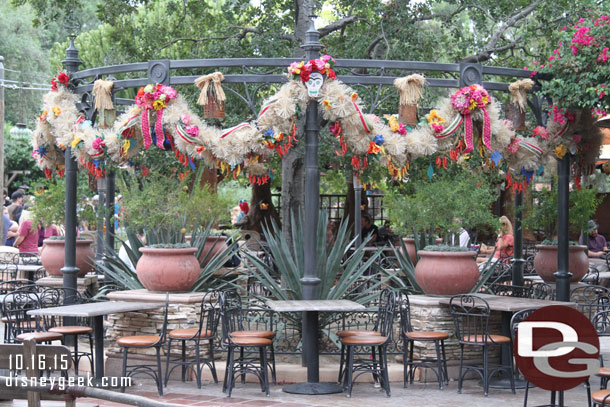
x=302 y=70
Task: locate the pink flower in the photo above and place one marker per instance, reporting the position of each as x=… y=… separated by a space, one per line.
x=186 y=119
x=526 y=68
x=513 y=147
x=540 y=131
x=156 y=94
x=437 y=127
x=326 y=58
x=401 y=129
x=319 y=64
x=169 y=91
x=192 y=130
x=98 y=144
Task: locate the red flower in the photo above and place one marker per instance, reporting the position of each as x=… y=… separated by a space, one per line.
x=63 y=78
x=141 y=92
x=331 y=74
x=304 y=75
x=145 y=171
x=53 y=84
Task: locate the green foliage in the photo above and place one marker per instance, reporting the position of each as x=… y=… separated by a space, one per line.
x=445 y=248
x=18 y=152
x=547 y=242
x=543 y=209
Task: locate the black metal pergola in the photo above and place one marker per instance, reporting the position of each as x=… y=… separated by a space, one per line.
x=372 y=78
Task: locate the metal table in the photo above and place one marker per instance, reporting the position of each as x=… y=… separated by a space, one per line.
x=507 y=306
x=310 y=308
x=96 y=310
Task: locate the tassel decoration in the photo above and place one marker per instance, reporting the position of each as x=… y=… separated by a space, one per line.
x=102 y=90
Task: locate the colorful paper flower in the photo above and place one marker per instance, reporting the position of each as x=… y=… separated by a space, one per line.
x=379 y=140
x=560 y=151
x=434 y=117
x=326 y=104
x=540 y=131
x=76 y=141
x=98 y=144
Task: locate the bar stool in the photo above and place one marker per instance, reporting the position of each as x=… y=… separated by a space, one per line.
x=144 y=342
x=209 y=316
x=471 y=319
x=235 y=337
x=438 y=365
x=54 y=297
x=379 y=369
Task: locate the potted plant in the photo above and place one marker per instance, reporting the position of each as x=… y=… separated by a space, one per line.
x=48 y=209
x=166 y=211
x=442 y=206
x=583 y=204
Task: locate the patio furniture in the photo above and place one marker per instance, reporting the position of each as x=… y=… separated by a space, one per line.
x=235 y=338
x=509 y=290
x=601 y=322
x=471 y=318
x=96 y=310
x=439 y=364
x=209 y=315
x=542 y=291
x=379 y=368
x=20 y=324
x=591 y=299
x=601 y=398
x=53 y=297
x=145 y=342
x=592 y=276
x=311 y=308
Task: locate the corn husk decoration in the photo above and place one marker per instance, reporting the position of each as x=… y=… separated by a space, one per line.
x=410 y=89
x=102 y=90
x=515 y=109
x=212 y=98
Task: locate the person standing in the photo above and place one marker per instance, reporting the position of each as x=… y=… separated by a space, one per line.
x=16 y=207
x=27 y=241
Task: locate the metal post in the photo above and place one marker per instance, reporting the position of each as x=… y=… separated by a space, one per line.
x=357 y=210
x=70 y=270
x=110 y=186
x=2 y=137
x=100 y=211
x=518 y=235
x=563 y=275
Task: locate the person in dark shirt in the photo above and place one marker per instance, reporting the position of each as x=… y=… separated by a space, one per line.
x=369 y=229
x=597 y=243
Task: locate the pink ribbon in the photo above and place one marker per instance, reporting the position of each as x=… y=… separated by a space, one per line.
x=146 y=130
x=159 y=129
x=468 y=133
x=486 y=130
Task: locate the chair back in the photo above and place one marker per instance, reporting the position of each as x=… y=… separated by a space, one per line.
x=471 y=318
x=8 y=272
x=517 y=318
x=231 y=311
x=542 y=291
x=591 y=299
x=15 y=307
x=601 y=322
x=55 y=297
x=405 y=314
x=592 y=276
x=12 y=285
x=509 y=290
x=385 y=314
x=209 y=314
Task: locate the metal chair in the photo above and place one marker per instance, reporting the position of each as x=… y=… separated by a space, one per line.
x=144 y=342
x=592 y=276
x=542 y=291
x=591 y=299
x=236 y=338
x=209 y=316
x=54 y=297
x=509 y=290
x=20 y=325
x=29 y=258
x=379 y=368
x=471 y=319
x=409 y=336
x=601 y=322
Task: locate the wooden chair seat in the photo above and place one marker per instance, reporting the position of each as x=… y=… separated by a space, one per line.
x=362 y=332
x=604 y=371
x=257 y=334
x=40 y=336
x=427 y=335
x=250 y=341
x=599 y=395
x=188 y=333
x=71 y=330
x=489 y=338
x=364 y=340
x=138 y=340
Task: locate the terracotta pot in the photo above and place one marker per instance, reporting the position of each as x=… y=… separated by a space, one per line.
x=168 y=269
x=545 y=262
x=410 y=245
x=446 y=273
x=214 y=243
x=53 y=256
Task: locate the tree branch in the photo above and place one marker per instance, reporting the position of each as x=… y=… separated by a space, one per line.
x=337 y=25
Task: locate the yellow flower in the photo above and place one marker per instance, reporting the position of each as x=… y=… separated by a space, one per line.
x=434 y=117
x=56 y=111
x=158 y=104
x=279 y=136
x=75 y=141
x=393 y=123
x=326 y=104
x=43 y=116
x=560 y=151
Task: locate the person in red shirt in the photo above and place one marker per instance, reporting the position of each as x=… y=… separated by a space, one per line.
x=27 y=241
x=504 y=243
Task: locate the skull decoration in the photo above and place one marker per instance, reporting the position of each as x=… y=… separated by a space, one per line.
x=314 y=84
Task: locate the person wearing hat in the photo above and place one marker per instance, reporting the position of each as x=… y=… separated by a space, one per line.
x=597 y=243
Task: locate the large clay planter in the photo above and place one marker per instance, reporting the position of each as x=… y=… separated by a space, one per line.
x=545 y=262
x=410 y=245
x=53 y=256
x=173 y=270
x=446 y=273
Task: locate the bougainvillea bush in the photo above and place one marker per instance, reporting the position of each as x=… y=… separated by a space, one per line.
x=579 y=66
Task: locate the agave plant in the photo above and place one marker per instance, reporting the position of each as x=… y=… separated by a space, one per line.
x=123 y=276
